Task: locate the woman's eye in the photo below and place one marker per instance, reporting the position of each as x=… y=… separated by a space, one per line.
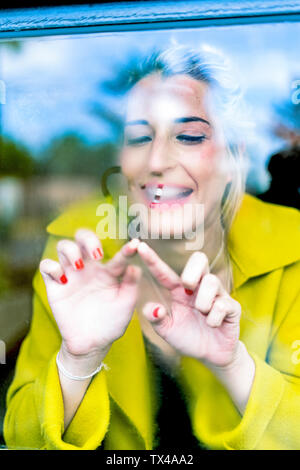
x=138 y=140
x=191 y=139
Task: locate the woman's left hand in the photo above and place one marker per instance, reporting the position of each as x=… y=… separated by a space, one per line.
x=204 y=320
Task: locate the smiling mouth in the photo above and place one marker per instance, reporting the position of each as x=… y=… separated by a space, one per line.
x=165 y=194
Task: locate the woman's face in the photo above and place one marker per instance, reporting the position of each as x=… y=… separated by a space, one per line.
x=173 y=153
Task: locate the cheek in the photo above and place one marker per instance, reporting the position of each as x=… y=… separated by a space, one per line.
x=131 y=163
x=206 y=163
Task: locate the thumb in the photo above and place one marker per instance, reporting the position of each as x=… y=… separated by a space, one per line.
x=156 y=314
x=129 y=285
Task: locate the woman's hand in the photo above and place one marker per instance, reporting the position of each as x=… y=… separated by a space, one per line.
x=91 y=305
x=203 y=321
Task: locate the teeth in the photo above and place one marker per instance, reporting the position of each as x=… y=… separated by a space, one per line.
x=166 y=193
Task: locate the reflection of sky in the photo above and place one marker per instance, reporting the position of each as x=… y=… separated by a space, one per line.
x=51 y=83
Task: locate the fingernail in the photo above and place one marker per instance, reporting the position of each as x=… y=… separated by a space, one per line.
x=79 y=264
x=100 y=252
x=63 y=279
x=155 y=312
x=143 y=247
x=97 y=253
x=134 y=243
x=189 y=291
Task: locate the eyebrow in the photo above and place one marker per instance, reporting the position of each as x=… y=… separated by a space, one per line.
x=177 y=121
x=138 y=121
x=191 y=119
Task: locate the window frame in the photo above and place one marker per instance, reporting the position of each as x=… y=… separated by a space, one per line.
x=141 y=16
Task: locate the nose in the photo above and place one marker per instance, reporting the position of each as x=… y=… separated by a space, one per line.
x=160 y=158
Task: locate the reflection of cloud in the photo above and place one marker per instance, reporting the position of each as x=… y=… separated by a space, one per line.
x=272 y=69
x=52 y=81
x=36 y=56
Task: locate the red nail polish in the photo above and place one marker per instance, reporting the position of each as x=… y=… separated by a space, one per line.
x=97 y=253
x=155 y=312
x=63 y=279
x=189 y=291
x=79 y=264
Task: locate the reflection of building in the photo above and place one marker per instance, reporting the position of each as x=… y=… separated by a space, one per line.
x=54 y=193
x=11 y=198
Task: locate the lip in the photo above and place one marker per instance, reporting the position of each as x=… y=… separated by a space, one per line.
x=155 y=203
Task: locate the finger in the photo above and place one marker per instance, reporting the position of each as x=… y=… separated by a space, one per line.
x=196 y=267
x=52 y=271
x=224 y=308
x=118 y=264
x=89 y=244
x=69 y=254
x=155 y=313
x=129 y=285
x=158 y=268
x=210 y=287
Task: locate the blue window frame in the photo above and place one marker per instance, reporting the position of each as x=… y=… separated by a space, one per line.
x=130 y=16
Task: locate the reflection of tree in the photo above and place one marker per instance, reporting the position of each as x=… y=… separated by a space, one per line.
x=14 y=46
x=15 y=160
x=66 y=155
x=16 y=169
x=70 y=155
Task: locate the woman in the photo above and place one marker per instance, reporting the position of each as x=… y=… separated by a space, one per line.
x=223 y=319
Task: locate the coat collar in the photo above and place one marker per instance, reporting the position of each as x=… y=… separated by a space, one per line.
x=263 y=237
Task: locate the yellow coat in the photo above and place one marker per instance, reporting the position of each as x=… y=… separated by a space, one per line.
x=119 y=406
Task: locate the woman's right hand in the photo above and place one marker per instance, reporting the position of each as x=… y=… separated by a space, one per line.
x=92 y=302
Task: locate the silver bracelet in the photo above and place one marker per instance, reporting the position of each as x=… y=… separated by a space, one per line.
x=77 y=377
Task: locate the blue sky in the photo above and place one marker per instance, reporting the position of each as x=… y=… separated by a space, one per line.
x=52 y=82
